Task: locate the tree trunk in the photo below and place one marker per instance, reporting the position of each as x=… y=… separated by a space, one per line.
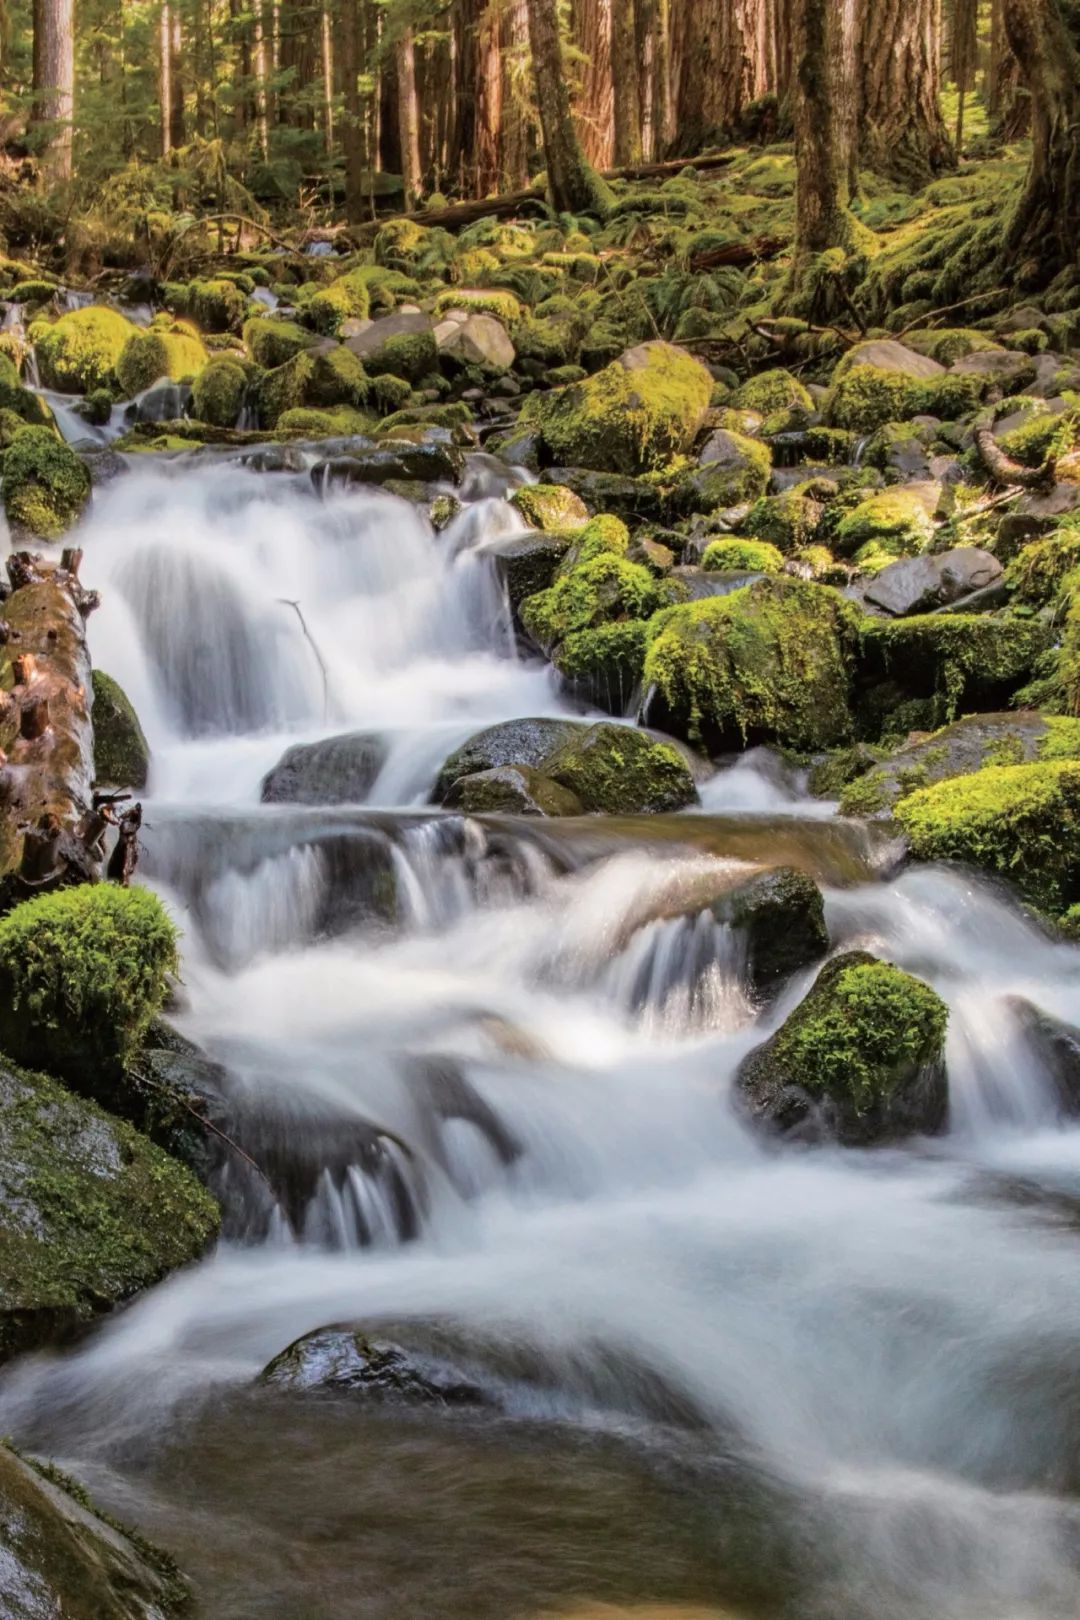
x=903 y=132
x=408 y=118
x=573 y=186
x=824 y=97
x=715 y=50
x=327 y=80
x=624 y=74
x=1046 y=222
x=594 y=98
x=963 y=56
x=176 y=78
x=1008 y=100
x=165 y=65
x=261 y=65
x=54 y=84
x=352 y=130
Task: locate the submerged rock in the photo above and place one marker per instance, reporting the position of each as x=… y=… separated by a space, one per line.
x=60 y=1558
x=514 y=790
x=121 y=751
x=334 y=770
x=342 y=1360
x=860 y=1060
x=1056 y=1045
x=782 y=917
x=389 y=463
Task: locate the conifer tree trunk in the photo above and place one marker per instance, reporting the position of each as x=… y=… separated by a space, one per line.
x=352 y=132
x=1046 y=222
x=573 y=186
x=626 y=108
x=903 y=132
x=716 y=48
x=176 y=78
x=165 y=67
x=408 y=118
x=824 y=98
x=594 y=95
x=54 y=84
x=327 y=79
x=1007 y=98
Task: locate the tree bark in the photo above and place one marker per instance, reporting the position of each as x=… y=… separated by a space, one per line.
x=176 y=78
x=903 y=132
x=571 y=183
x=1007 y=97
x=54 y=84
x=408 y=118
x=352 y=130
x=1046 y=222
x=824 y=97
x=594 y=98
x=624 y=75
x=717 y=68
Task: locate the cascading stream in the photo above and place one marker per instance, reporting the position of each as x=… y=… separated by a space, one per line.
x=497 y=1060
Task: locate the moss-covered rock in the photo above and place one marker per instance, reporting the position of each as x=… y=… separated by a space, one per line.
x=45 y=485
x=550 y=507
x=633 y=416
x=861 y=1059
x=82 y=973
x=79 y=352
x=866 y=397
x=19 y=401
x=482 y=301
x=781 y=916
x=1020 y=822
x=604 y=588
x=176 y=353
x=121 y=752
x=271 y=342
x=219 y=392
x=738 y=556
x=603 y=666
x=620 y=770
x=512 y=790
x=767 y=663
x=957 y=661
x=527 y=563
x=93 y=1212
x=772 y=391
x=215 y=304
x=340 y=423
x=734 y=471
x=344 y=299
x=787 y=522
x=896 y=522
x=512 y=742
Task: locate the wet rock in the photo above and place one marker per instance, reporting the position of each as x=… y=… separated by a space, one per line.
x=121 y=752
x=860 y=1060
x=334 y=770
x=60 y=1558
x=1056 y=1045
x=621 y=770
x=342 y=1360
x=428 y=462
x=632 y=499
x=919 y=584
x=1014 y=738
x=527 y=563
x=479 y=340
x=514 y=790
x=550 y=507
x=886 y=354
x=514 y=742
x=782 y=916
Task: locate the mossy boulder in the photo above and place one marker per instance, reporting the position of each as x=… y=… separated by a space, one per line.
x=772 y=391
x=896 y=522
x=742 y=556
x=79 y=352
x=861 y=1060
x=866 y=397
x=956 y=661
x=216 y=304
x=603 y=666
x=505 y=308
x=271 y=342
x=527 y=563
x=121 y=752
x=1020 y=822
x=176 y=353
x=767 y=663
x=734 y=471
x=93 y=1212
x=512 y=790
x=513 y=742
x=634 y=416
x=781 y=916
x=620 y=770
x=787 y=521
x=340 y=423
x=82 y=973
x=219 y=392
x=346 y=298
x=45 y=485
x=20 y=402
x=334 y=376
x=604 y=588
x=550 y=507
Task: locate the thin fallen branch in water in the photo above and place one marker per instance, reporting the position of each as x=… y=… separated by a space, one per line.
x=310 y=639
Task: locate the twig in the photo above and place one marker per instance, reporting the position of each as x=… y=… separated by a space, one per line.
x=207 y=1125
x=948 y=309
x=310 y=639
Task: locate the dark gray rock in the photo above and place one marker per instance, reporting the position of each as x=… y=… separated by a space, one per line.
x=399 y=462
x=514 y=742
x=513 y=790
x=781 y=914
x=1056 y=1045
x=334 y=770
x=342 y=1360
x=920 y=584
x=527 y=563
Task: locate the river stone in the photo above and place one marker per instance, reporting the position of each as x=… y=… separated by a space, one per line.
x=860 y=1061
x=334 y=770
x=121 y=752
x=919 y=584
x=635 y=500
x=514 y=742
x=343 y=1360
x=370 y=343
x=527 y=563
x=93 y=1211
x=889 y=355
x=429 y=462
x=967 y=745
x=1056 y=1045
x=781 y=914
x=513 y=790
x=60 y=1561
x=480 y=340
x=621 y=770
x=1010 y=370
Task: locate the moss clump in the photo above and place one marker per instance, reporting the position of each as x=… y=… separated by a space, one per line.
x=768 y=663
x=82 y=973
x=787 y=522
x=146 y=356
x=735 y=470
x=1020 y=822
x=866 y=1046
x=402 y=244
x=633 y=416
x=93 y=1212
x=482 y=301
x=329 y=424
x=216 y=304
x=335 y=377
x=957 y=660
x=604 y=666
x=271 y=343
x=550 y=508
x=219 y=392
x=866 y=397
x=346 y=298
x=410 y=355
x=604 y=588
x=620 y=770
x=895 y=522
x=1033 y=440
x=79 y=352
x=603 y=534
x=734 y=556
x=20 y=401
x=121 y=752
x=45 y=486
x=772 y=391
x=390 y=394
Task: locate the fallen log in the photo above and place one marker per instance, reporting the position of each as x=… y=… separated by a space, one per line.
x=1004 y=470
x=46 y=735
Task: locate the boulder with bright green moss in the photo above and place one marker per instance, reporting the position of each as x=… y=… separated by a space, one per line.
x=1018 y=822
x=866 y=397
x=619 y=770
x=787 y=521
x=956 y=661
x=770 y=663
x=345 y=298
x=738 y=556
x=79 y=352
x=551 y=508
x=734 y=471
x=898 y=522
x=271 y=342
x=604 y=588
x=511 y=742
x=481 y=301
x=83 y=971
x=219 y=392
x=860 y=1061
x=21 y=402
x=121 y=752
x=603 y=666
x=772 y=391
x=512 y=790
x=1038 y=573
x=340 y=422
x=176 y=352
x=93 y=1211
x=45 y=485
x=633 y=416
x=216 y=304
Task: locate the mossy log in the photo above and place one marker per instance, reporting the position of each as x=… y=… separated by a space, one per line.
x=48 y=830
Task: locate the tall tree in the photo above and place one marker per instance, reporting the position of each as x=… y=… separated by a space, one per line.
x=1043 y=35
x=352 y=123
x=903 y=132
x=54 y=84
x=1008 y=100
x=963 y=55
x=626 y=108
x=408 y=116
x=574 y=187
x=716 y=65
x=824 y=102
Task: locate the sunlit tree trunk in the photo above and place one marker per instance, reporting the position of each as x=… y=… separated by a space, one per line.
x=327 y=79
x=903 y=134
x=717 y=68
x=1046 y=223
x=823 y=102
x=594 y=96
x=626 y=86
x=963 y=56
x=408 y=117
x=261 y=63
x=54 y=84
x=176 y=78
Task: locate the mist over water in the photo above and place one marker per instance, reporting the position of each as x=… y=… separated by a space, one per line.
x=809 y=1381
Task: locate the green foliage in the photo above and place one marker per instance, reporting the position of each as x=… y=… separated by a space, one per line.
x=82 y=973
x=751 y=556
x=45 y=485
x=79 y=352
x=1038 y=572
x=347 y=298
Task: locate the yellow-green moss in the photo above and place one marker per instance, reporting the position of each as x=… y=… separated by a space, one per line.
x=550 y=507
x=271 y=342
x=895 y=522
x=45 y=485
x=620 y=770
x=121 y=752
x=772 y=391
x=786 y=521
x=219 y=392
x=604 y=588
x=482 y=301
x=958 y=660
x=79 y=352
x=148 y=355
x=751 y=556
x=344 y=299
